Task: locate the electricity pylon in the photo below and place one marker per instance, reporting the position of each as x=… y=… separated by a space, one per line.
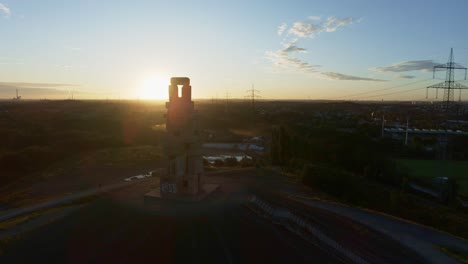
x=252 y=95
x=449 y=86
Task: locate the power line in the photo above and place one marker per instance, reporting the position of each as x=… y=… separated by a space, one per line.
x=383 y=89
x=406 y=91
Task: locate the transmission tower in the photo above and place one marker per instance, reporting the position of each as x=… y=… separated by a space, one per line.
x=253 y=94
x=17 y=97
x=449 y=86
x=227 y=101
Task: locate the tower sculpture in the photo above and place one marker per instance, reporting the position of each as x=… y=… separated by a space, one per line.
x=182 y=143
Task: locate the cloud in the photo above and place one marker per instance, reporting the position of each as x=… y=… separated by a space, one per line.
x=404 y=76
x=5 y=10
x=417 y=65
x=303 y=29
x=36 y=93
x=281 y=60
x=314 y=17
x=344 y=77
x=331 y=24
x=34 y=85
x=73 y=48
x=293 y=48
x=10 y=61
x=36 y=90
x=282 y=28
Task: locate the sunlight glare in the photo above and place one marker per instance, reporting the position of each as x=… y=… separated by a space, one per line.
x=155 y=88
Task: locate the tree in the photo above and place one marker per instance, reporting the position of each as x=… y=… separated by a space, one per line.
x=280 y=146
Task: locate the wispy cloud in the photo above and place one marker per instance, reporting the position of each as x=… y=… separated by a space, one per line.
x=35 y=85
x=282 y=28
x=333 y=23
x=73 y=48
x=10 y=61
x=291 y=47
x=314 y=17
x=304 y=29
x=405 y=76
x=284 y=60
x=416 y=65
x=5 y=10
x=307 y=29
x=32 y=90
x=344 y=77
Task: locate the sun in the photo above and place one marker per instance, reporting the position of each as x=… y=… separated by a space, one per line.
x=154 y=88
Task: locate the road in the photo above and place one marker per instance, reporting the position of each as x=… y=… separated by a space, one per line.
x=62 y=200
x=118 y=227
x=417 y=237
x=109 y=232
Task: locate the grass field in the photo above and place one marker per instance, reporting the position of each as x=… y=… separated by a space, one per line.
x=439 y=168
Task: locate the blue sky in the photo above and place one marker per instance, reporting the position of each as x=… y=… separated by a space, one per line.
x=327 y=50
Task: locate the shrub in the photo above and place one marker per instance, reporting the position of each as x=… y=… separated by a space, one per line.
x=218 y=163
x=231 y=162
x=333 y=181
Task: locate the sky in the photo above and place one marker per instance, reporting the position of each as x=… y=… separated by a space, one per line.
x=349 y=49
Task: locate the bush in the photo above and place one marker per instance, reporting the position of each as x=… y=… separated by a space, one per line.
x=231 y=162
x=333 y=181
x=376 y=196
x=218 y=163
x=246 y=162
x=15 y=164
